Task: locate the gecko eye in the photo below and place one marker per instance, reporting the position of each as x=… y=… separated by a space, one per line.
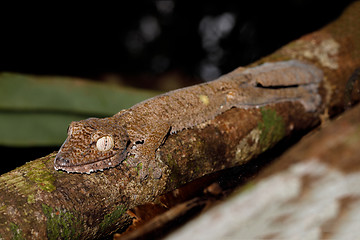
x=105 y=143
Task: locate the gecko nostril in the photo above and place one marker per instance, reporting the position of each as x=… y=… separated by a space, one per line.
x=61 y=161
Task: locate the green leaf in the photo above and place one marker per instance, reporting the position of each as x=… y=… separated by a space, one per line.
x=35 y=111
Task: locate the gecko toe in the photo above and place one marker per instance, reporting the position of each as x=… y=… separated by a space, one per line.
x=143 y=174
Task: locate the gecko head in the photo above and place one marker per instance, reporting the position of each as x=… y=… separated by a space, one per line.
x=92 y=144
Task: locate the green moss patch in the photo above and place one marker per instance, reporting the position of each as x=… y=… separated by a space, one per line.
x=272 y=128
x=16 y=231
x=112 y=217
x=61 y=224
x=41 y=176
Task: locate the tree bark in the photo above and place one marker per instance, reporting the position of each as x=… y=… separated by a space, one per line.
x=309 y=192
x=39 y=202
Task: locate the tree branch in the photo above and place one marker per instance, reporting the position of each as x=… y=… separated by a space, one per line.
x=309 y=192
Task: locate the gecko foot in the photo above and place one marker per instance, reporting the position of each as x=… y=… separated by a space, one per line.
x=156 y=171
x=150 y=168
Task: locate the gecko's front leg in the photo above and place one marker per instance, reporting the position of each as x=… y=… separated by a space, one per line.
x=144 y=158
x=142 y=153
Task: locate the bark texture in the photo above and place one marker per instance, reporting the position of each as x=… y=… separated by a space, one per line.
x=38 y=202
x=310 y=192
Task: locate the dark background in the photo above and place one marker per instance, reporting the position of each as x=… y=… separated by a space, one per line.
x=142 y=41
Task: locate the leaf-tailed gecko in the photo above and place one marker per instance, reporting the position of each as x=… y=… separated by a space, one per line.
x=136 y=133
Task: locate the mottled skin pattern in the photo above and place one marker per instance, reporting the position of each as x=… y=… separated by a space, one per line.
x=139 y=131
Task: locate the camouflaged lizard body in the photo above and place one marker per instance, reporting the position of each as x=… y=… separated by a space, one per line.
x=96 y=144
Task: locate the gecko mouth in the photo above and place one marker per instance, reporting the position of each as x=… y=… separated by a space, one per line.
x=63 y=163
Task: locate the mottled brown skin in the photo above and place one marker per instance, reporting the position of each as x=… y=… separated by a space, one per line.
x=80 y=146
x=139 y=131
